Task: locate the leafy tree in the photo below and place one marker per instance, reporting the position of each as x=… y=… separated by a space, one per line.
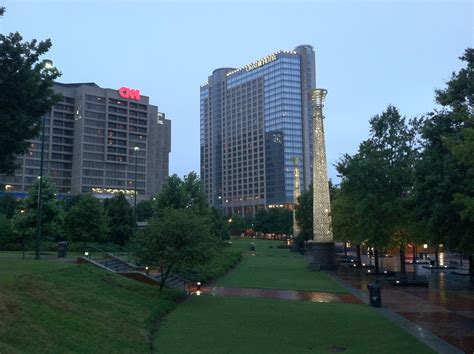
x=237 y=224
x=188 y=193
x=177 y=193
x=219 y=228
x=345 y=222
x=8 y=205
x=119 y=219
x=144 y=210
x=6 y=232
x=275 y=220
x=444 y=192
x=29 y=84
x=379 y=179
x=85 y=221
x=176 y=238
x=25 y=221
x=68 y=202
x=304 y=216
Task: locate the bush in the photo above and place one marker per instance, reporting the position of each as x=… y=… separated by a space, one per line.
x=219 y=263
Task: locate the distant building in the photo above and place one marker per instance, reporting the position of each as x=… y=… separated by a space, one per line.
x=90 y=143
x=254 y=121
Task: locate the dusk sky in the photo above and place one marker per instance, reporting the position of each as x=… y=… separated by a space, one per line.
x=368 y=54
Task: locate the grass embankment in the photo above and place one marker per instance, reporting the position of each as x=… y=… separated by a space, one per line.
x=214 y=324
x=56 y=307
x=276 y=269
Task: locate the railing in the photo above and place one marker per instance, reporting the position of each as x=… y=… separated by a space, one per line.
x=109 y=252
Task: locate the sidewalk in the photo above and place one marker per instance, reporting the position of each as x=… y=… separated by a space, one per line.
x=446 y=308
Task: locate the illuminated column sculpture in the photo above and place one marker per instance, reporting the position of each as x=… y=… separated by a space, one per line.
x=322 y=245
x=296 y=193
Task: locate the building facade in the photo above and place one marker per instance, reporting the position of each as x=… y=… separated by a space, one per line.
x=254 y=121
x=99 y=141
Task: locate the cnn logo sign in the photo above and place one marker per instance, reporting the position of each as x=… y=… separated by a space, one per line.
x=132 y=94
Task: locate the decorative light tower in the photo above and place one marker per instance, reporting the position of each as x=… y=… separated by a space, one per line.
x=296 y=193
x=322 y=245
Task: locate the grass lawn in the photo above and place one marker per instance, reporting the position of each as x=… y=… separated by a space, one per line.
x=56 y=307
x=208 y=324
x=276 y=269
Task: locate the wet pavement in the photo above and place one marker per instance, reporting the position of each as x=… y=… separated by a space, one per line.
x=313 y=296
x=445 y=308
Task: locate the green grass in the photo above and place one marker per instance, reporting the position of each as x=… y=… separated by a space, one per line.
x=210 y=324
x=276 y=269
x=56 y=307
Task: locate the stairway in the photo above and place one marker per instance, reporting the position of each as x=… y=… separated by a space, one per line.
x=173 y=281
x=117 y=265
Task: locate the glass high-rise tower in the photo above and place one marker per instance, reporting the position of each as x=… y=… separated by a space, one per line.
x=254 y=121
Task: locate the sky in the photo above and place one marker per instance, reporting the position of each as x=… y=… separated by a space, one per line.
x=369 y=54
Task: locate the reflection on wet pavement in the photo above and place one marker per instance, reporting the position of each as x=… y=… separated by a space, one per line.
x=446 y=307
x=313 y=296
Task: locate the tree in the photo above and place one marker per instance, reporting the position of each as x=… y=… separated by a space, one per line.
x=444 y=192
x=25 y=221
x=144 y=210
x=275 y=220
x=345 y=223
x=119 y=219
x=177 y=193
x=379 y=180
x=6 y=232
x=176 y=238
x=29 y=84
x=85 y=221
x=8 y=205
x=237 y=224
x=188 y=193
x=304 y=216
x=219 y=227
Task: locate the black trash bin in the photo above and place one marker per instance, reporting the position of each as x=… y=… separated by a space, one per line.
x=375 y=295
x=62 y=249
x=252 y=247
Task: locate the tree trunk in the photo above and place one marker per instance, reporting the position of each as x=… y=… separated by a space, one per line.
x=345 y=249
x=163 y=280
x=471 y=265
x=403 y=269
x=23 y=246
x=414 y=257
x=376 y=259
x=359 y=259
x=437 y=255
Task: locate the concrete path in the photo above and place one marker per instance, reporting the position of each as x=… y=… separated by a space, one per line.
x=313 y=296
x=444 y=310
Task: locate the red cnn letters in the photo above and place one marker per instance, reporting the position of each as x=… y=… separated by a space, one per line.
x=132 y=94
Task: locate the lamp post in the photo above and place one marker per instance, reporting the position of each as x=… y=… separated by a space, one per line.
x=48 y=64
x=136 y=149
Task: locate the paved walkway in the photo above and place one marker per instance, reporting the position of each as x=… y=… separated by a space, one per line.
x=313 y=296
x=445 y=309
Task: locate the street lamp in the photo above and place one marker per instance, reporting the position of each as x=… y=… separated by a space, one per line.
x=136 y=149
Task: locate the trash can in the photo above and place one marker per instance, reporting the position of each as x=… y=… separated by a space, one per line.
x=62 y=249
x=252 y=247
x=375 y=296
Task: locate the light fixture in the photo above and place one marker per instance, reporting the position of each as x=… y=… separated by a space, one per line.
x=48 y=64
x=86 y=254
x=425 y=246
